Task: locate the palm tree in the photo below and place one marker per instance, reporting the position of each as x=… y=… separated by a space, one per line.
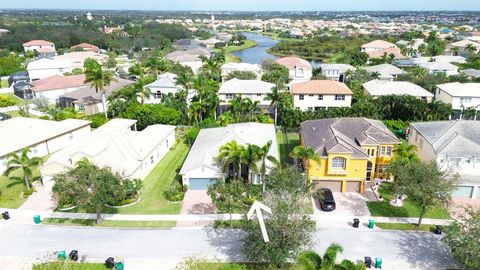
x=404 y=154
x=249 y=157
x=274 y=98
x=185 y=79
x=310 y=260
x=157 y=65
x=99 y=79
x=24 y=163
x=235 y=106
x=305 y=155
x=230 y=156
x=264 y=156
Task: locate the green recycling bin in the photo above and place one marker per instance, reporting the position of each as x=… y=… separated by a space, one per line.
x=119 y=266
x=378 y=262
x=37 y=219
x=62 y=255
x=371 y=223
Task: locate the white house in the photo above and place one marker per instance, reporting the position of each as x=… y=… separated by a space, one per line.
x=440 y=67
x=300 y=70
x=166 y=83
x=336 y=72
x=440 y=59
x=386 y=72
x=255 y=90
x=117 y=145
x=38 y=45
x=321 y=95
x=43 y=137
x=231 y=67
x=53 y=87
x=201 y=167
x=463 y=47
x=46 y=67
x=460 y=95
x=379 y=48
x=454 y=145
x=376 y=88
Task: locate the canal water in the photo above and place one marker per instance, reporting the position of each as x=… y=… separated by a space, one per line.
x=258 y=54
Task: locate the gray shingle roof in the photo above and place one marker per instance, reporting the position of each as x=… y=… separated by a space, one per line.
x=345 y=135
x=453 y=138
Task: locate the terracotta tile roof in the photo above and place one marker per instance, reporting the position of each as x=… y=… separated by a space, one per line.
x=38 y=42
x=379 y=44
x=86 y=47
x=321 y=87
x=46 y=50
x=58 y=82
x=291 y=62
x=379 y=54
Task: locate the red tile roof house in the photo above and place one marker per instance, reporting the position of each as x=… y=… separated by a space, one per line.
x=300 y=69
x=378 y=48
x=85 y=47
x=39 y=45
x=53 y=87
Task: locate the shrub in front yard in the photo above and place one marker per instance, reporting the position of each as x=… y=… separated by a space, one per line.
x=7 y=101
x=175 y=193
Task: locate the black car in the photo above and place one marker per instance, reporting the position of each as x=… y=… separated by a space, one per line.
x=327 y=202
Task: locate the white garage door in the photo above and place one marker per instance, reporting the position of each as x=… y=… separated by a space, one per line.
x=463 y=192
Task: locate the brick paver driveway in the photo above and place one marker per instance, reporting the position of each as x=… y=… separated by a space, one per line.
x=196 y=202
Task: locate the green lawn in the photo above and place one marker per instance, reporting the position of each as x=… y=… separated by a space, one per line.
x=109 y=223
x=69 y=266
x=11 y=190
x=405 y=227
x=248 y=44
x=284 y=148
x=384 y=209
x=157 y=182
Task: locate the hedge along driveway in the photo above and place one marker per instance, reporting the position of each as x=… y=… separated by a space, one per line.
x=158 y=181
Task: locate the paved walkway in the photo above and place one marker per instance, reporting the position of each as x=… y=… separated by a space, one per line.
x=40 y=200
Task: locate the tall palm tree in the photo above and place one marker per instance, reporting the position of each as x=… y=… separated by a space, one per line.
x=274 y=98
x=305 y=155
x=235 y=106
x=264 y=156
x=404 y=154
x=185 y=80
x=157 y=65
x=230 y=156
x=24 y=163
x=249 y=158
x=99 y=79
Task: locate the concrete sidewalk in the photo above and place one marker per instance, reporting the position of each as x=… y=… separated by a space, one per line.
x=19 y=216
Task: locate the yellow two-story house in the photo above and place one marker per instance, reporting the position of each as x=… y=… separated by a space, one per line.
x=353 y=152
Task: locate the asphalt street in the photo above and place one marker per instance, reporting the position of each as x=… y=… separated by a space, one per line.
x=164 y=248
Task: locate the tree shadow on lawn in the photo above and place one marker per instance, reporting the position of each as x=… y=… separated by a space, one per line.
x=425 y=250
x=228 y=242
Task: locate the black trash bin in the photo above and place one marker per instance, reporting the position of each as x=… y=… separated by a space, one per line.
x=438 y=229
x=110 y=262
x=368 y=262
x=6 y=215
x=356 y=222
x=73 y=255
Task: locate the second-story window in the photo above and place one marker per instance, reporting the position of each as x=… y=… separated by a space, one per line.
x=229 y=96
x=339 y=163
x=320 y=97
x=339 y=97
x=389 y=151
x=301 y=97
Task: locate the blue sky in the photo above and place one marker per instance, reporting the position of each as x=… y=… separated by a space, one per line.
x=280 y=5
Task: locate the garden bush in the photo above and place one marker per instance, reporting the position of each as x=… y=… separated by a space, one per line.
x=98 y=120
x=175 y=193
x=7 y=101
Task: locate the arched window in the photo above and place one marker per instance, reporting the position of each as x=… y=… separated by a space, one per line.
x=299 y=72
x=158 y=94
x=339 y=163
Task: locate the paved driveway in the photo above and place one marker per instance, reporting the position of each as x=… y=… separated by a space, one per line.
x=457 y=208
x=348 y=204
x=196 y=202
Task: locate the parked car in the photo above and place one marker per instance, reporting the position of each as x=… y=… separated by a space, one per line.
x=326 y=200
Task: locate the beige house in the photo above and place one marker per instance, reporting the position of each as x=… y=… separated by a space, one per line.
x=43 y=137
x=321 y=95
